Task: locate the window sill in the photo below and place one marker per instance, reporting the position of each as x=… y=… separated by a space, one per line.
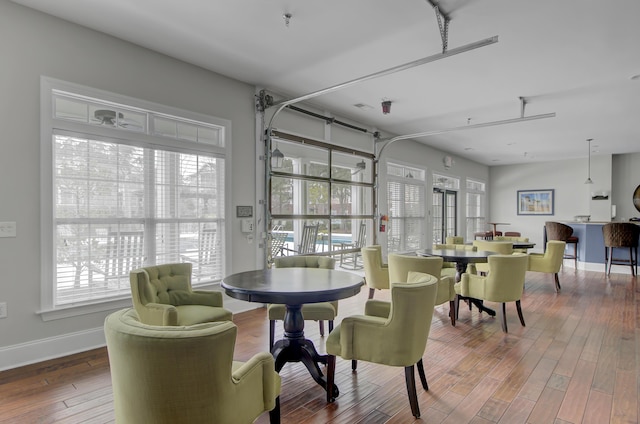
x=84 y=309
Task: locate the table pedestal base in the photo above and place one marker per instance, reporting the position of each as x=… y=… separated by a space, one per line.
x=295 y=348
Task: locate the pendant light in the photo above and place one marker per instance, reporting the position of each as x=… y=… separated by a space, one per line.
x=589 y=181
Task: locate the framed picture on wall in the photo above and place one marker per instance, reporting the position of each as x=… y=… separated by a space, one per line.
x=535 y=202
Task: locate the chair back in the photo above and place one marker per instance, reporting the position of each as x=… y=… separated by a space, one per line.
x=362 y=236
x=154 y=382
x=553 y=256
x=401 y=265
x=454 y=240
x=308 y=239
x=469 y=247
x=501 y=247
x=165 y=284
x=512 y=234
x=304 y=262
x=124 y=251
x=375 y=274
x=505 y=281
x=620 y=234
x=277 y=242
x=557 y=231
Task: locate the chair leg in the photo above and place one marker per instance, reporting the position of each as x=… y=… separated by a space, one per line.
x=457 y=305
x=354 y=365
x=274 y=414
x=519 y=308
x=321 y=324
x=330 y=326
x=272 y=331
x=610 y=260
x=331 y=373
x=452 y=312
x=410 y=379
x=371 y=291
x=423 y=376
x=503 y=312
x=557 y=279
x=633 y=271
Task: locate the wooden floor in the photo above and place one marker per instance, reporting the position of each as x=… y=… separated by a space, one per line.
x=576 y=361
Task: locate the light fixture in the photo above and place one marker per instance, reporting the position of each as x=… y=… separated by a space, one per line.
x=287 y=19
x=360 y=166
x=589 y=181
x=277 y=158
x=386 y=107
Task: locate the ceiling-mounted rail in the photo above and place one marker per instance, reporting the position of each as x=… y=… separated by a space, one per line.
x=487 y=41
x=522 y=118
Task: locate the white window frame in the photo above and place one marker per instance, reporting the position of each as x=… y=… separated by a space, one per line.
x=420 y=180
x=49 y=124
x=470 y=230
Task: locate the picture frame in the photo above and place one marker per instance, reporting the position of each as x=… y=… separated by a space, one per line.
x=536 y=202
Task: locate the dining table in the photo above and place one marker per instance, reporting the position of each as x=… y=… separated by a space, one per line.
x=462 y=258
x=295 y=287
x=495 y=225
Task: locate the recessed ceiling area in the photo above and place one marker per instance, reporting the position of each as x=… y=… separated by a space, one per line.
x=578 y=59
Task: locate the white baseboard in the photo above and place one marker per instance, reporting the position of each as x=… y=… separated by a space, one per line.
x=598 y=267
x=67 y=344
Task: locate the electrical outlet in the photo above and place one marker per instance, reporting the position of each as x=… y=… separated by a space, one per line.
x=3 y=309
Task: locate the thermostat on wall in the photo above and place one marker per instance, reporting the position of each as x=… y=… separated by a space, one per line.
x=244 y=211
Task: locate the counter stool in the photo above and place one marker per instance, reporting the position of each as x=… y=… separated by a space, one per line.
x=621 y=235
x=562 y=232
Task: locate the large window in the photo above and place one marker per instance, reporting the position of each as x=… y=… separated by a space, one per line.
x=476 y=195
x=406 y=205
x=129 y=187
x=445 y=207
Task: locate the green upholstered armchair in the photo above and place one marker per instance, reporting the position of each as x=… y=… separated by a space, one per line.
x=186 y=374
x=501 y=247
x=376 y=273
x=162 y=295
x=454 y=240
x=550 y=261
x=401 y=265
x=398 y=338
x=449 y=268
x=513 y=238
x=313 y=311
x=504 y=283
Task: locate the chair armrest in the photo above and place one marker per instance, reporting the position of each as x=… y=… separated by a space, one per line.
x=258 y=375
x=157 y=314
x=377 y=308
x=208 y=298
x=472 y=285
x=360 y=337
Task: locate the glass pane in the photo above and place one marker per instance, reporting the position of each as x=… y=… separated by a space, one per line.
x=351 y=200
x=314 y=197
x=281 y=196
x=351 y=167
x=302 y=159
x=187 y=132
x=300 y=237
x=164 y=127
x=65 y=108
x=210 y=136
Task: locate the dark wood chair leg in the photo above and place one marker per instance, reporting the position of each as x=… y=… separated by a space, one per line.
x=423 y=376
x=411 y=390
x=272 y=331
x=371 y=292
x=610 y=260
x=457 y=305
x=354 y=365
x=557 y=279
x=321 y=324
x=330 y=326
x=519 y=308
x=503 y=312
x=274 y=414
x=452 y=312
x=331 y=373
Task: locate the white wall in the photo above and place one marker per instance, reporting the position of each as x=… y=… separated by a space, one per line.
x=566 y=177
x=626 y=177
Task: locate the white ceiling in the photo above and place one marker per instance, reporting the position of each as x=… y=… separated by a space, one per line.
x=572 y=57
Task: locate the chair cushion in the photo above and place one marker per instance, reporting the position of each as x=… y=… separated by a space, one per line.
x=197 y=314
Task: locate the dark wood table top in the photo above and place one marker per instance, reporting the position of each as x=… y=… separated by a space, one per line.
x=452 y=255
x=293 y=286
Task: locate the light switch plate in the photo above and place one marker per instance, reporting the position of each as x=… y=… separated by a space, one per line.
x=8 y=229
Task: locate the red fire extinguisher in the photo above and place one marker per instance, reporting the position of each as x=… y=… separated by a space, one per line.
x=383 y=223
